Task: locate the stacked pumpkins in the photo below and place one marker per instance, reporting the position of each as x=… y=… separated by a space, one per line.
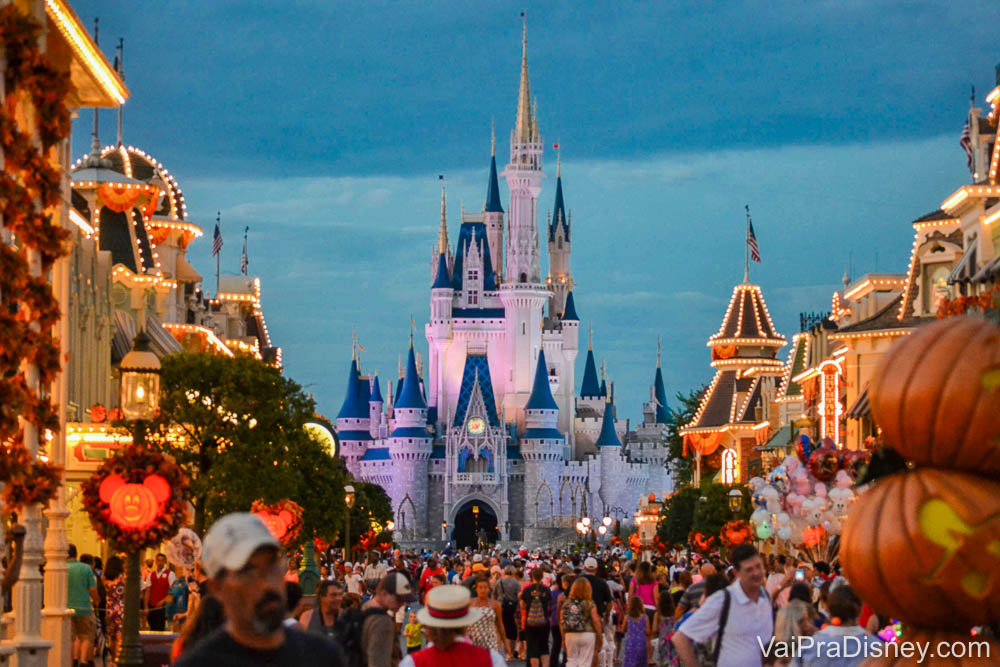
x=923 y=545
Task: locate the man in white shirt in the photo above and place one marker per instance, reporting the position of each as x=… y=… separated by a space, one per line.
x=741 y=614
x=353 y=579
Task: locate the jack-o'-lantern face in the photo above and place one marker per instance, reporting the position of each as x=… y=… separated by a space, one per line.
x=134 y=506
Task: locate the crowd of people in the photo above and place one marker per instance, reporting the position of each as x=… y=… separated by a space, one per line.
x=242 y=605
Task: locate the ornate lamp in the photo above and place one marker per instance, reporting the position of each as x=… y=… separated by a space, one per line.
x=735 y=500
x=140 y=381
x=606 y=521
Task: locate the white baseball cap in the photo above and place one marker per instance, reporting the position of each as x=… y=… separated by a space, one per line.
x=478 y=558
x=232 y=540
x=590 y=563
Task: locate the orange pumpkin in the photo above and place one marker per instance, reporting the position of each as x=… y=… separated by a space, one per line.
x=936 y=395
x=277 y=522
x=927 y=535
x=134 y=506
x=735 y=533
x=974 y=646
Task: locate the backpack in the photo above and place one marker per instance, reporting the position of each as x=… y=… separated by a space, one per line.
x=575 y=615
x=348 y=633
x=537 y=613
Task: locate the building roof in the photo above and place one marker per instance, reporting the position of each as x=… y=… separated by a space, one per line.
x=477 y=370
x=541 y=393
x=410 y=432
x=438 y=452
x=886 y=318
x=355 y=404
x=441 y=278
x=113 y=236
x=493 y=189
x=798 y=360
x=719 y=406
x=376 y=394
x=569 y=312
x=514 y=453
x=660 y=393
x=542 y=434
x=559 y=216
x=590 y=387
x=608 y=437
x=939 y=214
x=376 y=454
x=477 y=313
x=747 y=318
x=410 y=395
x=351 y=435
x=473 y=231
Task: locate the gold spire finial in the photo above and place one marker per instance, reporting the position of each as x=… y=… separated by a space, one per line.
x=399 y=364
x=443 y=232
x=590 y=335
x=354 y=344
x=603 y=362
x=659 y=351
x=534 y=121
x=493 y=137
x=524 y=128
x=413 y=326
x=558 y=160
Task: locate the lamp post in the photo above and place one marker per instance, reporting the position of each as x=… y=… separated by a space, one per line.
x=139 y=400
x=349 y=503
x=444 y=531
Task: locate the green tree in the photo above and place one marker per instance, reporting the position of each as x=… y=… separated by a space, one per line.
x=678 y=516
x=687 y=406
x=243 y=439
x=371 y=503
x=713 y=512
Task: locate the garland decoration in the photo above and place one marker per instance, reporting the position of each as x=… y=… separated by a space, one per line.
x=30 y=198
x=137 y=498
x=283 y=519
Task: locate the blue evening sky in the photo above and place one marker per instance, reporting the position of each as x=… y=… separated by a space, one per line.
x=324 y=125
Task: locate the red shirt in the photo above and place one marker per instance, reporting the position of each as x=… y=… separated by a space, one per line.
x=460 y=654
x=426 y=577
x=159 y=586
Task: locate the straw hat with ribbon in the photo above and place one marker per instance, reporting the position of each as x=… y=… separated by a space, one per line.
x=448 y=607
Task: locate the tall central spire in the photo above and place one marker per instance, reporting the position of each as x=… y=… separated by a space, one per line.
x=443 y=231
x=523 y=133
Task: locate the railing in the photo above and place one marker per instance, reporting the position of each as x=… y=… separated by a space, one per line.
x=475 y=478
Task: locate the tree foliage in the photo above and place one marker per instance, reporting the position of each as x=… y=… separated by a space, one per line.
x=687 y=406
x=686 y=511
x=242 y=423
x=678 y=516
x=371 y=503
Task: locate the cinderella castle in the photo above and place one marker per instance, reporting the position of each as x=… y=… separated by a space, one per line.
x=494 y=443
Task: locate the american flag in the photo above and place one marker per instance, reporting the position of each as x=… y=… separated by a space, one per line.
x=966 y=143
x=752 y=242
x=216 y=240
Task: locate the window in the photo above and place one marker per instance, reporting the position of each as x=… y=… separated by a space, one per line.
x=473 y=275
x=730 y=467
x=473 y=297
x=524 y=328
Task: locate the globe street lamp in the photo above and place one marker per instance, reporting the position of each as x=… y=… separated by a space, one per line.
x=349 y=497
x=139 y=400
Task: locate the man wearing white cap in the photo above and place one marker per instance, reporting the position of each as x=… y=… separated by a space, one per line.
x=447 y=612
x=246 y=573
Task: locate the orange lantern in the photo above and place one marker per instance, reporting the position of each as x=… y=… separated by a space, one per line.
x=134 y=506
x=811 y=535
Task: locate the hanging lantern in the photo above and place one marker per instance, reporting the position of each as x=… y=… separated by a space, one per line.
x=140 y=381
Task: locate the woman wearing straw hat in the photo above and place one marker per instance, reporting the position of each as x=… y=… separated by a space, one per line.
x=447 y=612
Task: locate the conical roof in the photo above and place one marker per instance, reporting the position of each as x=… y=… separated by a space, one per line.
x=559 y=217
x=376 y=395
x=608 y=437
x=493 y=189
x=410 y=395
x=660 y=393
x=541 y=394
x=441 y=279
x=355 y=404
x=590 y=387
x=569 y=312
x=747 y=321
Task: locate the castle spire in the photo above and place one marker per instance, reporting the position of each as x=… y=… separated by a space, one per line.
x=524 y=130
x=443 y=231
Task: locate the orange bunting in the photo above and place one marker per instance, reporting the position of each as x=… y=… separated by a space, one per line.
x=703 y=443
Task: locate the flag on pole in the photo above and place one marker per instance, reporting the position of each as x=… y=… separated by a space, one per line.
x=244 y=261
x=216 y=240
x=966 y=143
x=752 y=242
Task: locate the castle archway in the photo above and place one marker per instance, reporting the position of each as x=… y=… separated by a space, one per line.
x=475 y=523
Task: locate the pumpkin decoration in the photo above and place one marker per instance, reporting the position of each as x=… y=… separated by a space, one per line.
x=98 y=413
x=701 y=543
x=824 y=463
x=936 y=395
x=927 y=534
x=812 y=535
x=134 y=506
x=283 y=519
x=735 y=533
x=137 y=498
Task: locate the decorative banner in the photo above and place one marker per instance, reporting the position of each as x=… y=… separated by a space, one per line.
x=829 y=406
x=137 y=498
x=117 y=198
x=283 y=519
x=184 y=548
x=703 y=443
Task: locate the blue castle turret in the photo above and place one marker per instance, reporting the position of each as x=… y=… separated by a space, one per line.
x=354 y=419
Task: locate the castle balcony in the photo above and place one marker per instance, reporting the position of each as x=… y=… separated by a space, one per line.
x=476 y=478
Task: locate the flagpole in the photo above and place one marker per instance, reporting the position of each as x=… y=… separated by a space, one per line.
x=218 y=255
x=746 y=262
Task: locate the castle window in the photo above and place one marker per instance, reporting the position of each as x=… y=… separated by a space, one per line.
x=473 y=274
x=473 y=297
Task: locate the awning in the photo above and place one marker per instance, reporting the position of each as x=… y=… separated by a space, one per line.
x=163 y=342
x=185 y=272
x=861 y=407
x=962 y=273
x=991 y=271
x=782 y=439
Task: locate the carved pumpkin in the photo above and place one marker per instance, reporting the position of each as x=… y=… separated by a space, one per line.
x=936 y=395
x=98 y=413
x=927 y=534
x=933 y=638
x=134 y=506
